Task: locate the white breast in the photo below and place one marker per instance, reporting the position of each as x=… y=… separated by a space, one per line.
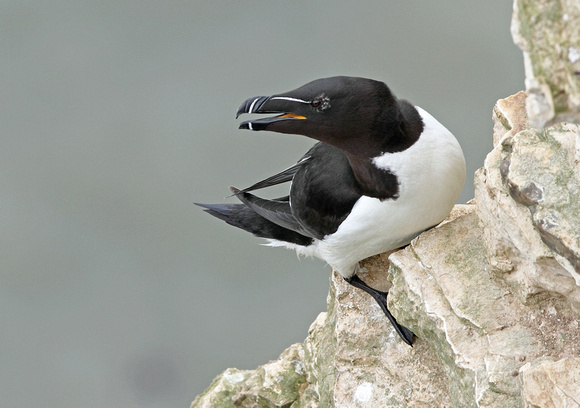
x=431 y=174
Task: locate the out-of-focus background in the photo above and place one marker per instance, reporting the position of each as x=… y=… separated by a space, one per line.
x=115 y=290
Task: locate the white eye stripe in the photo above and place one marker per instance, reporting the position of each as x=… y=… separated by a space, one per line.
x=252 y=105
x=287 y=98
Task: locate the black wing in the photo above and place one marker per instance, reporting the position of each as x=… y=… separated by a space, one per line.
x=241 y=216
x=264 y=218
x=282 y=177
x=322 y=194
x=276 y=211
x=323 y=191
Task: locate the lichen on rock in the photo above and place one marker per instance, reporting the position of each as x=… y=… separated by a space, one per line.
x=548 y=32
x=528 y=196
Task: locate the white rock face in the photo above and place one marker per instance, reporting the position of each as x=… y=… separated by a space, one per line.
x=479 y=343
x=548 y=32
x=561 y=377
x=528 y=193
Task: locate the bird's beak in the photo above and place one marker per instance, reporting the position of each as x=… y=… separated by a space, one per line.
x=269 y=104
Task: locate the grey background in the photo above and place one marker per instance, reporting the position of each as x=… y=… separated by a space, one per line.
x=116 y=115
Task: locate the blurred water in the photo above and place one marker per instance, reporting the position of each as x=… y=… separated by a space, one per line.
x=116 y=115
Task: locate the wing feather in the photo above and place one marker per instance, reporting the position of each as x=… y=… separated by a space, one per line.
x=282 y=177
x=276 y=211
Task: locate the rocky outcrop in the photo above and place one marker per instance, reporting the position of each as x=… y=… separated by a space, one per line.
x=548 y=32
x=528 y=196
x=492 y=293
x=479 y=342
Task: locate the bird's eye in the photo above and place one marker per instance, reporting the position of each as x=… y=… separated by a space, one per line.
x=316 y=103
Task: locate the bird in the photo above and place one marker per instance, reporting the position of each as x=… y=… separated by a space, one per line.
x=382 y=172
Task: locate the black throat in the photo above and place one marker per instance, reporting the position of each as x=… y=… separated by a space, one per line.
x=387 y=137
x=402 y=132
x=372 y=181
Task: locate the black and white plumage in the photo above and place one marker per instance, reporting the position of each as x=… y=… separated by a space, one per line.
x=383 y=172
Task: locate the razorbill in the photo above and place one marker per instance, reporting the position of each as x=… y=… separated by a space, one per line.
x=382 y=172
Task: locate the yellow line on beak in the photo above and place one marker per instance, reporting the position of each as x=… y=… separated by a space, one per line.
x=291 y=115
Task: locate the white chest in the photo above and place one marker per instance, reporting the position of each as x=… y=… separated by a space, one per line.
x=430 y=173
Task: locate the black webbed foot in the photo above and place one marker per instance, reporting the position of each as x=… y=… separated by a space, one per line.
x=381 y=298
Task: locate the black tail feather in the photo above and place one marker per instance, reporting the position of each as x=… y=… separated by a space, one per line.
x=240 y=216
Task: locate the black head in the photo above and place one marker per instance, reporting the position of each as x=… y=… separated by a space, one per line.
x=359 y=116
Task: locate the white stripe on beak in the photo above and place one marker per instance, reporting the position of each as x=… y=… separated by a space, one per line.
x=252 y=105
x=287 y=98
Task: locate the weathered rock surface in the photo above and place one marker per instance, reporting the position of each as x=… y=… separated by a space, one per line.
x=492 y=293
x=561 y=378
x=478 y=343
x=548 y=32
x=528 y=196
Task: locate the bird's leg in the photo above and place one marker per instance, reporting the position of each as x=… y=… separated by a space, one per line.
x=381 y=298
